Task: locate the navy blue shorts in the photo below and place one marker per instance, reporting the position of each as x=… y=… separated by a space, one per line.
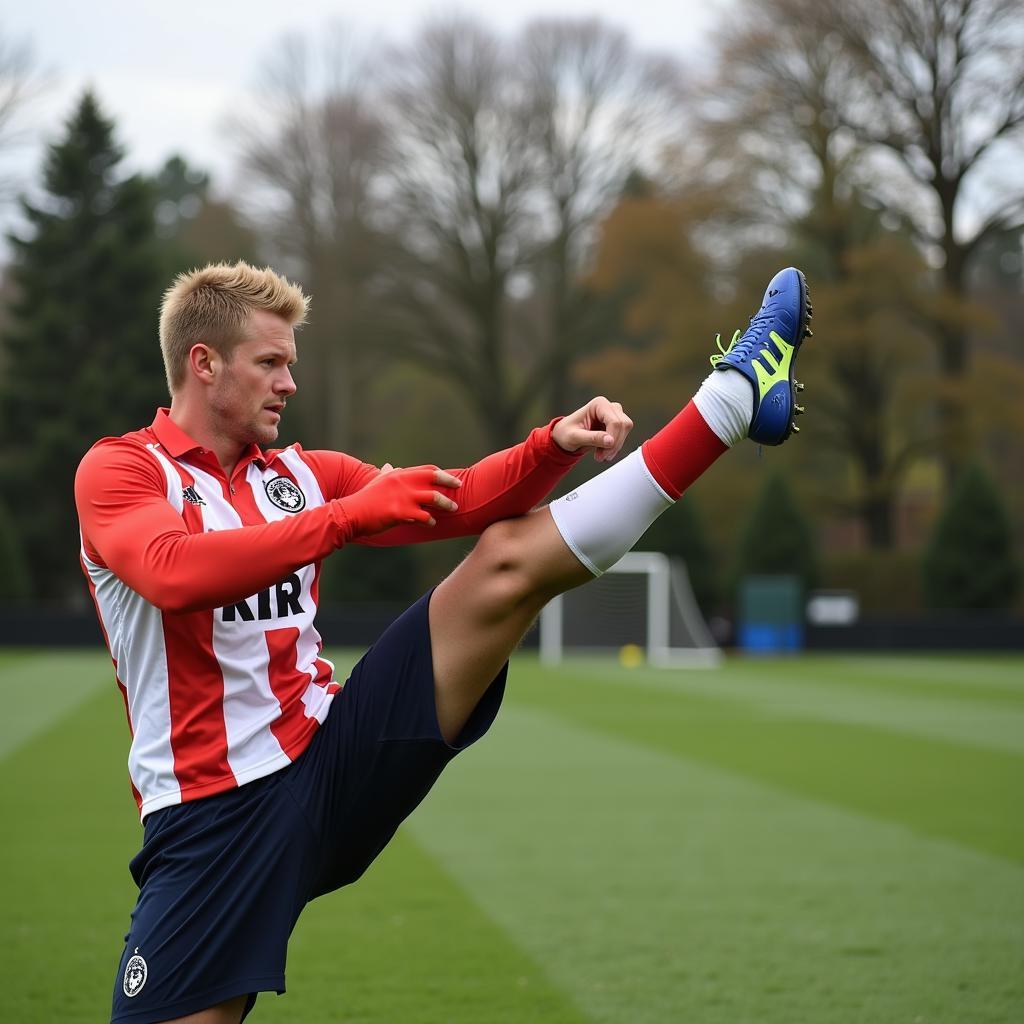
x=222 y=880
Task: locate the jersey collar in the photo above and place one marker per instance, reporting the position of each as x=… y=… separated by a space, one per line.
x=176 y=442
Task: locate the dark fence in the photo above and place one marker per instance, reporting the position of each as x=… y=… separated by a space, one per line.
x=359 y=626
x=947 y=631
x=339 y=625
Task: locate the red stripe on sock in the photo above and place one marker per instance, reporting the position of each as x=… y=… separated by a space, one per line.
x=683 y=449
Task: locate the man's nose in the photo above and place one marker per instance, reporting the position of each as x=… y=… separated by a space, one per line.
x=285 y=383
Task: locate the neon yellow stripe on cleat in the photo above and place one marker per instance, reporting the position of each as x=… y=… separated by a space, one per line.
x=779 y=368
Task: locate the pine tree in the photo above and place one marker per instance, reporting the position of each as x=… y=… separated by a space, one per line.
x=679 y=533
x=81 y=353
x=777 y=538
x=13 y=569
x=969 y=561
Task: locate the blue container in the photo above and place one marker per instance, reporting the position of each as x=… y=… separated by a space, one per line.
x=771 y=619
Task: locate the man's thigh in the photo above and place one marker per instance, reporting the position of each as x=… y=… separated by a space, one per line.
x=483 y=609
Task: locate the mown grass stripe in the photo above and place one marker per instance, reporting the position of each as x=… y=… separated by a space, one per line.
x=659 y=889
x=962 y=793
x=989 y=679
x=38 y=689
x=997 y=671
x=814 y=691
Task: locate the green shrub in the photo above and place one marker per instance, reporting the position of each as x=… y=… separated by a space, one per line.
x=13 y=563
x=969 y=561
x=777 y=538
x=680 y=533
x=361 y=573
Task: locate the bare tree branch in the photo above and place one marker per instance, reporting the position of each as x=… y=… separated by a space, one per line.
x=21 y=84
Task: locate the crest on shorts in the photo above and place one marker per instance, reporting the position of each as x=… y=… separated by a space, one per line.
x=135 y=975
x=284 y=494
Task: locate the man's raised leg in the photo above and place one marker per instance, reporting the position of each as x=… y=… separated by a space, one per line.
x=481 y=611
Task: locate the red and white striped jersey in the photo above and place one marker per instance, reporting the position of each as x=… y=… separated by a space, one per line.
x=206 y=590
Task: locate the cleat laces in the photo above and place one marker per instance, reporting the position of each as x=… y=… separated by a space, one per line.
x=752 y=336
x=723 y=351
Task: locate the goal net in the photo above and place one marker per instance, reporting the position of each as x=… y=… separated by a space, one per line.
x=643 y=601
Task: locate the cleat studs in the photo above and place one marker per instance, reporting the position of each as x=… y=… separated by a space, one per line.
x=797 y=386
x=799 y=410
x=808 y=333
x=796 y=429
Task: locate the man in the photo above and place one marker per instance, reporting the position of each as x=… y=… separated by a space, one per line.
x=262 y=783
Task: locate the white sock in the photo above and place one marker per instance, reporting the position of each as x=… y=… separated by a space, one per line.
x=726 y=401
x=602 y=519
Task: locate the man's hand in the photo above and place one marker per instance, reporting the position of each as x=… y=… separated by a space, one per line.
x=399 y=496
x=600 y=424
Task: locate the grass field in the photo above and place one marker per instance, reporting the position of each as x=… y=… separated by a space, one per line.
x=821 y=840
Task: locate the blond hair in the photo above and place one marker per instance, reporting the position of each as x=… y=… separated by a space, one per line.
x=213 y=306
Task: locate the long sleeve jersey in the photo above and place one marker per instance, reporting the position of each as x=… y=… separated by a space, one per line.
x=207 y=587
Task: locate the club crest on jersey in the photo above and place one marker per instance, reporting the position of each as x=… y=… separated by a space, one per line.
x=135 y=975
x=192 y=496
x=284 y=494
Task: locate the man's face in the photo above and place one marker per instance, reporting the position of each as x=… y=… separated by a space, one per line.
x=253 y=383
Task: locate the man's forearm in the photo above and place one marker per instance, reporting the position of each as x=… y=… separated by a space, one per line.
x=500 y=486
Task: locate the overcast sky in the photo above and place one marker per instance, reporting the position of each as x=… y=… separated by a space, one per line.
x=170 y=73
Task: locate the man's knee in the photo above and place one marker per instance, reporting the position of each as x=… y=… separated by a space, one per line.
x=517 y=564
x=501 y=558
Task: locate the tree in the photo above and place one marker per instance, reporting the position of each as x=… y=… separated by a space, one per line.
x=679 y=532
x=777 y=538
x=82 y=359
x=458 y=180
x=782 y=86
x=195 y=227
x=873 y=407
x=507 y=154
x=768 y=120
x=13 y=565
x=311 y=158
x=602 y=112
x=648 y=261
x=360 y=574
x=20 y=85
x=940 y=88
x=969 y=561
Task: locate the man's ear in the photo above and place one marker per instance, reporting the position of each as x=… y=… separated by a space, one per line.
x=204 y=362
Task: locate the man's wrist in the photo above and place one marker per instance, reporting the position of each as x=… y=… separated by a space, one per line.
x=555 y=449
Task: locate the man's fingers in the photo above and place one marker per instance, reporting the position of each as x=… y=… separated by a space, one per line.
x=617 y=426
x=594 y=439
x=434 y=499
x=446 y=479
x=441 y=501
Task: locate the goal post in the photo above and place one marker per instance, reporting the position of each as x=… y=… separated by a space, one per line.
x=644 y=599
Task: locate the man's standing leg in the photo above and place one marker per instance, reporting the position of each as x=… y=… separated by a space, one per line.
x=481 y=611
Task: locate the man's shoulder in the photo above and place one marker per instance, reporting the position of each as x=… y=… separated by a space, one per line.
x=134 y=440
x=112 y=457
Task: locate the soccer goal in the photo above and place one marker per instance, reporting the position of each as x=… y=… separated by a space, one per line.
x=643 y=601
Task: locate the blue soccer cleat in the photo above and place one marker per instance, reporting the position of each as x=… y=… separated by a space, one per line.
x=765 y=355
